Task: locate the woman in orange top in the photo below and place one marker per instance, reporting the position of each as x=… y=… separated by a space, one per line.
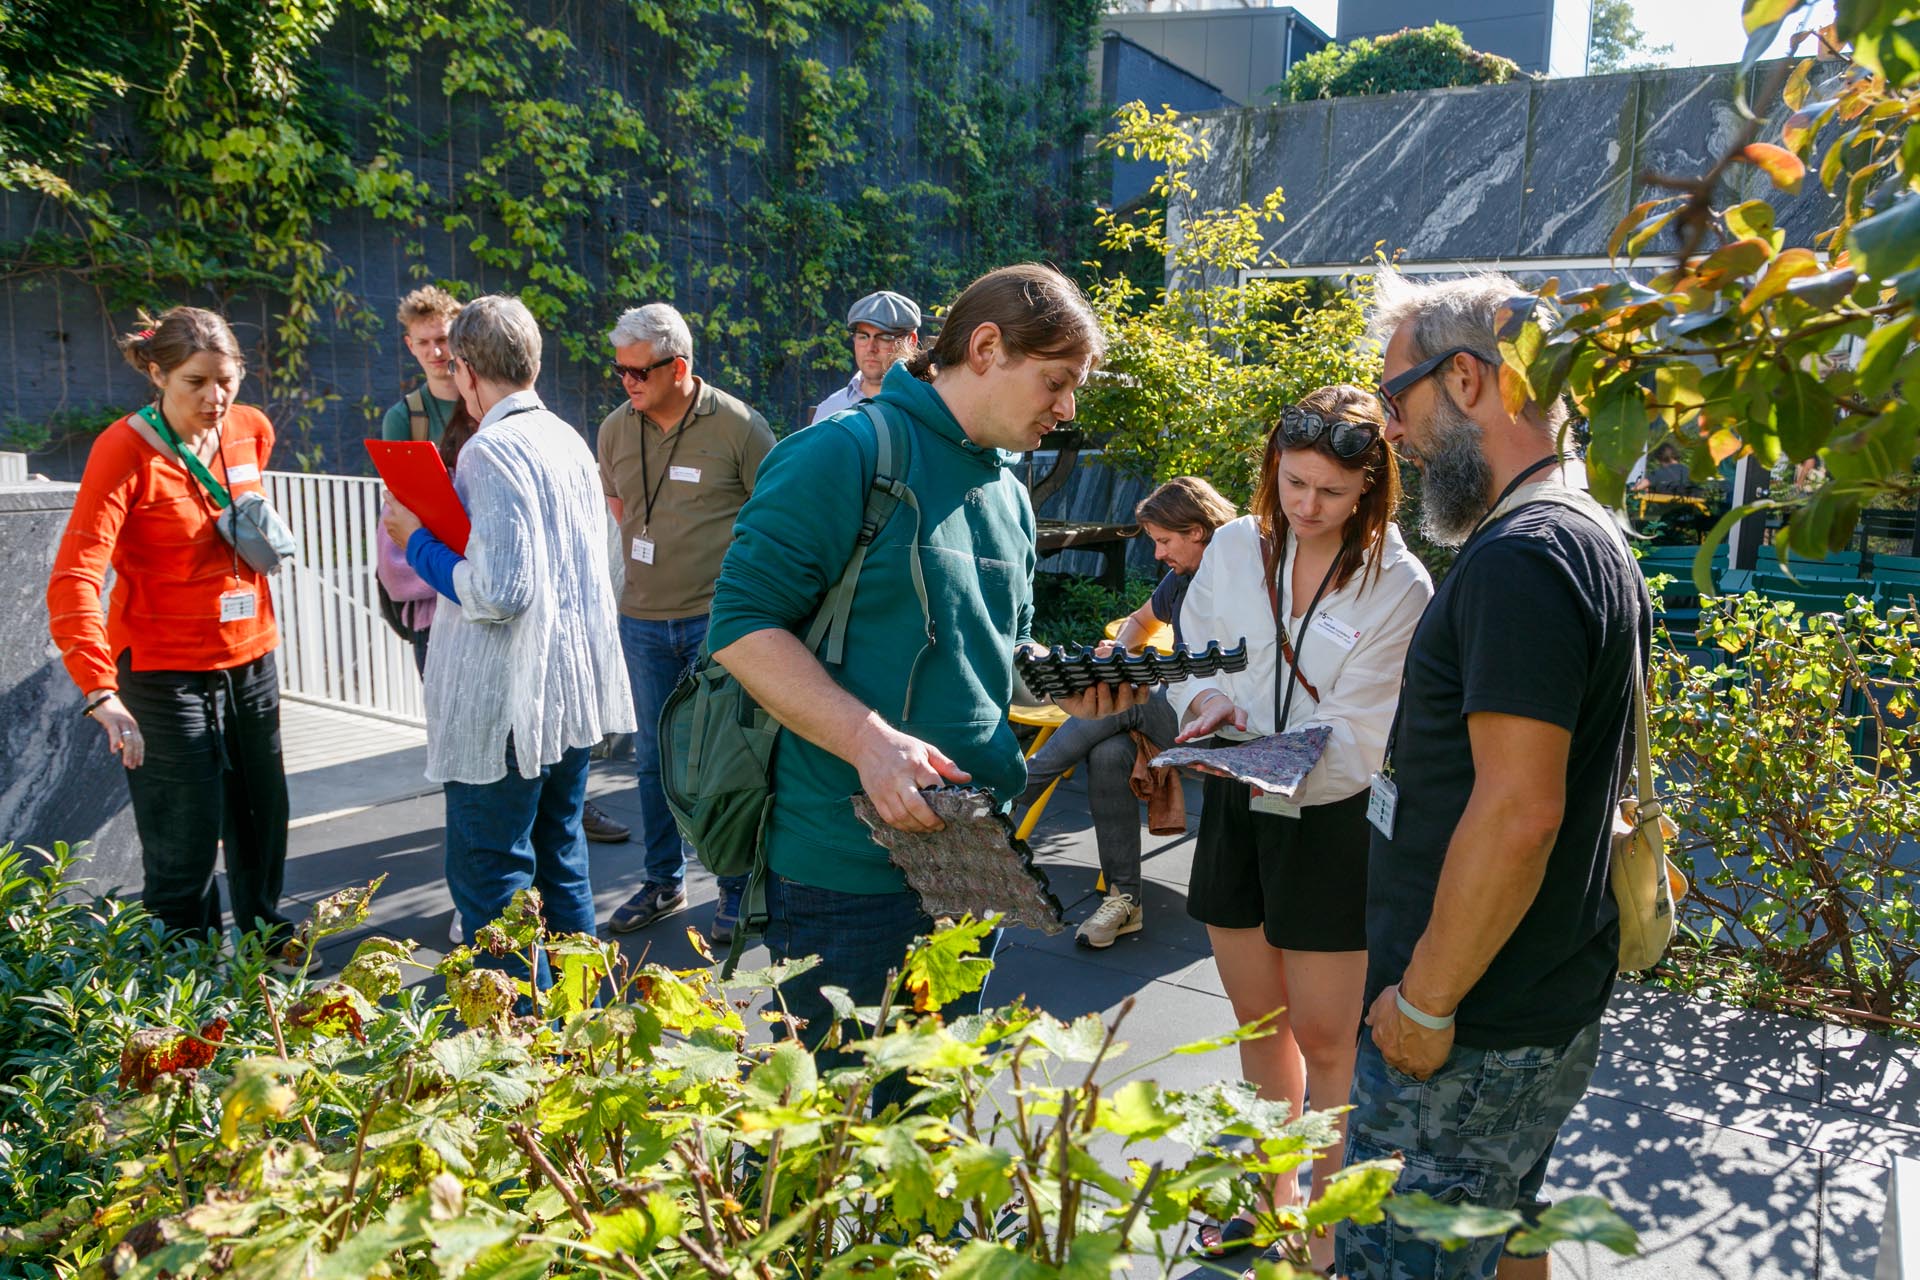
x=180 y=673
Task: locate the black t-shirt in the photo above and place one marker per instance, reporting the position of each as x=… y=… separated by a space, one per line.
x=1535 y=620
x=1168 y=597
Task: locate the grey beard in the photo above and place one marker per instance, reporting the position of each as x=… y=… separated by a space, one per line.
x=1454 y=477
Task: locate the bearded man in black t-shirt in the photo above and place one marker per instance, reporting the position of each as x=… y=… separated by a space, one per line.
x=1491 y=930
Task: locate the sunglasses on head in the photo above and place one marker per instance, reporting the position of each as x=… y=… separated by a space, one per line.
x=626 y=371
x=1301 y=427
x=1391 y=390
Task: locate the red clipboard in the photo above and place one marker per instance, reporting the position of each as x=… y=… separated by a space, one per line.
x=418 y=480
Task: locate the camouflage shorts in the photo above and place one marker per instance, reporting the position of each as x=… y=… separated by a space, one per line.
x=1478 y=1130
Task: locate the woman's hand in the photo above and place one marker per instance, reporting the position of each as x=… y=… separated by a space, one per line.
x=1214 y=710
x=399 y=523
x=122 y=730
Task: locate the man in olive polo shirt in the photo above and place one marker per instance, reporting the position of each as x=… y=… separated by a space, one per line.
x=677 y=461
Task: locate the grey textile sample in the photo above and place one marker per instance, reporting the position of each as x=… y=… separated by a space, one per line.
x=1279 y=762
x=974 y=866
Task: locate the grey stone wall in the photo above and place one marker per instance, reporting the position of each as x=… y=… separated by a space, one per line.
x=1529 y=170
x=57 y=779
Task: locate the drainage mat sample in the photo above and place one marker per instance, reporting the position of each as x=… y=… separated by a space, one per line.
x=1279 y=762
x=974 y=866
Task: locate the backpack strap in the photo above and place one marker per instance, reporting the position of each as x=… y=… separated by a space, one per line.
x=417 y=424
x=886 y=492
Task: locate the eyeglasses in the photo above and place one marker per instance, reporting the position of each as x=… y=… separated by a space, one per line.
x=1301 y=427
x=627 y=371
x=878 y=339
x=1391 y=390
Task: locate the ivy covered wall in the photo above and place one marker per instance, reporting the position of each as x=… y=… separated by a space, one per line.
x=759 y=163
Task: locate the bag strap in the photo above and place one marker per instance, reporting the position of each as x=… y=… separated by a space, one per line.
x=417 y=424
x=217 y=491
x=887 y=492
x=1280 y=630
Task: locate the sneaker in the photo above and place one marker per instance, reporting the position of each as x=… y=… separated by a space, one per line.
x=600 y=828
x=646 y=906
x=726 y=918
x=289 y=962
x=1116 y=915
x=455 y=934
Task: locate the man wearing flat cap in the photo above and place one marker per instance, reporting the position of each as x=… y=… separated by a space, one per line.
x=884 y=327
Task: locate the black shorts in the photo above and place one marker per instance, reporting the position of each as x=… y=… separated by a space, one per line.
x=1303 y=880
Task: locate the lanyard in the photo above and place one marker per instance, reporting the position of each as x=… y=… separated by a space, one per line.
x=1299 y=640
x=649 y=489
x=152 y=416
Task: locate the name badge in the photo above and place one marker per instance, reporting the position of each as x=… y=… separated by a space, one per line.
x=1333 y=629
x=243 y=473
x=1383 y=798
x=689 y=474
x=1269 y=802
x=239 y=605
x=643 y=550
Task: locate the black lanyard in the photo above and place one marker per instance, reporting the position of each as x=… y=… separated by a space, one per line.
x=1283 y=709
x=649 y=490
x=1400 y=703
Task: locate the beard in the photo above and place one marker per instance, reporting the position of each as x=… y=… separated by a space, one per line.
x=1454 y=476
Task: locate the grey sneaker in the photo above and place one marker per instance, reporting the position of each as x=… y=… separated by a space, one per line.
x=1117 y=914
x=646 y=906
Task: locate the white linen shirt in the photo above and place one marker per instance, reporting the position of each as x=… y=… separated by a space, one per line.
x=1359 y=683
x=845 y=398
x=534 y=647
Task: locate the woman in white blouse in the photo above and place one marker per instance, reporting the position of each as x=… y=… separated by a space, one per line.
x=1282 y=887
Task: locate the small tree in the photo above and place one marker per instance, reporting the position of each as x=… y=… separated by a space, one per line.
x=1435 y=57
x=1197 y=373
x=1616 y=42
x=1744 y=344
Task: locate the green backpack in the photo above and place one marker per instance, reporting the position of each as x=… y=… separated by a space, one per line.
x=717 y=743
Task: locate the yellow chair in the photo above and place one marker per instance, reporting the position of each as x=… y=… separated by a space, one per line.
x=1160 y=638
x=1046 y=719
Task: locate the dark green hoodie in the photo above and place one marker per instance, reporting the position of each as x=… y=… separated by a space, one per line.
x=793 y=539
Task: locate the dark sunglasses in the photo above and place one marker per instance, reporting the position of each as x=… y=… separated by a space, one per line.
x=1301 y=427
x=1391 y=390
x=625 y=371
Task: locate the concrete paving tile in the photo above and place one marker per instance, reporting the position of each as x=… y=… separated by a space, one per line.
x=1853 y=1204
x=1708 y=1201
x=1765 y=1051
x=1870 y=1073
x=1202 y=975
x=1835 y=1132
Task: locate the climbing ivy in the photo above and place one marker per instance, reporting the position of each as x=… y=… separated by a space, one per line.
x=755 y=161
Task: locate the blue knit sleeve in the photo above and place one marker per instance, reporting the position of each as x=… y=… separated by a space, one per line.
x=433 y=560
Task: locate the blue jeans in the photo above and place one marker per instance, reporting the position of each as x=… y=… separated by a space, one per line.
x=1477 y=1131
x=658 y=652
x=858 y=937
x=521 y=833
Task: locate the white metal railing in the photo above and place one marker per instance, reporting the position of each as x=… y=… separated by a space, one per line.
x=334 y=646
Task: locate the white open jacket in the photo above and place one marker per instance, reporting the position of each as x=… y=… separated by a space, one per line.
x=1358 y=676
x=534 y=646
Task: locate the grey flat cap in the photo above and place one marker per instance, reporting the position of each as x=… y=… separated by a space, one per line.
x=893 y=312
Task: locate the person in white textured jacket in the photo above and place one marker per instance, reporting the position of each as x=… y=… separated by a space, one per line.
x=1281 y=886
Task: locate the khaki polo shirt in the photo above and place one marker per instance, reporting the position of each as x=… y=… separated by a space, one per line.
x=700 y=491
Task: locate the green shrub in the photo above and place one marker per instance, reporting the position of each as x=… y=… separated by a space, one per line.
x=1789 y=766
x=1074 y=610
x=631 y=1126
x=1435 y=57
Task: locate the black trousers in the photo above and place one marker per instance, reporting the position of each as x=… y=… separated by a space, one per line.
x=212 y=774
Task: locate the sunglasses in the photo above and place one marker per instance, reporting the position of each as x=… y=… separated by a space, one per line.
x=1301 y=427
x=627 y=371
x=1391 y=390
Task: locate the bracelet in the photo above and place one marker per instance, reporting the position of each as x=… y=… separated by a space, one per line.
x=1412 y=1014
x=96 y=704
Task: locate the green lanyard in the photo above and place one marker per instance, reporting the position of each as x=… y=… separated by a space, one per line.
x=152 y=416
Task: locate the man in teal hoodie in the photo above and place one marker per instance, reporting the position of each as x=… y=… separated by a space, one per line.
x=916 y=702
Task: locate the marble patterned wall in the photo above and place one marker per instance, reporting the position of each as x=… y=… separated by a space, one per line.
x=57 y=779
x=1532 y=169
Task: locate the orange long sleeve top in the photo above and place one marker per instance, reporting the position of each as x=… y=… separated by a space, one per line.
x=140 y=511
